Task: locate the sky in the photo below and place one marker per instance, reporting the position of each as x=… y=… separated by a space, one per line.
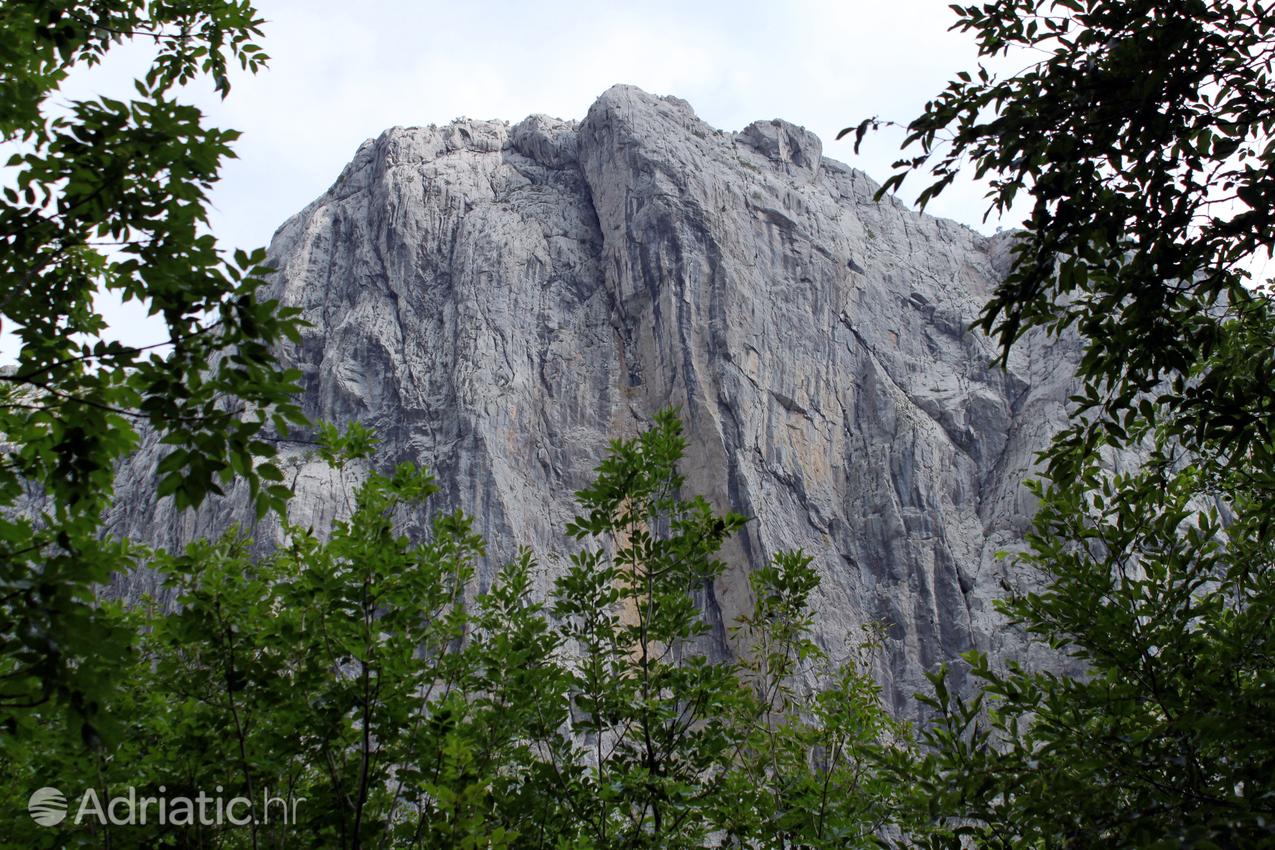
x=342 y=72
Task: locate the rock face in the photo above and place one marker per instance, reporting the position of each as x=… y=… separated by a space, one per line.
x=498 y=302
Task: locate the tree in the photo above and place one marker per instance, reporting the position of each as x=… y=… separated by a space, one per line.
x=105 y=195
x=679 y=747
x=363 y=673
x=1144 y=140
x=357 y=676
x=651 y=708
x=1166 y=740
x=808 y=772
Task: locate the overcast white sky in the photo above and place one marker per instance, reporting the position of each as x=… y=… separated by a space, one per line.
x=343 y=71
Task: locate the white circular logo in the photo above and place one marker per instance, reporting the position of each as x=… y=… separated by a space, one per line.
x=47 y=807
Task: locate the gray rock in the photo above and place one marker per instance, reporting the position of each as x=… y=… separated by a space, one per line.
x=498 y=303
x=784 y=143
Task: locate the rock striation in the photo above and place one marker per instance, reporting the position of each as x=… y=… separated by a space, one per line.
x=498 y=302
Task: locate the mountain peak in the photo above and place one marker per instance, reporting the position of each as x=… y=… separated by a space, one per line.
x=497 y=302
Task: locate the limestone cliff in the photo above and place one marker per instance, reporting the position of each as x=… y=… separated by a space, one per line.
x=499 y=301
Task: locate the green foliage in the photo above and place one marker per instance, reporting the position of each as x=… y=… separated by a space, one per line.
x=808 y=771
x=349 y=675
x=668 y=747
x=1167 y=741
x=650 y=706
x=107 y=195
x=1144 y=137
x=362 y=674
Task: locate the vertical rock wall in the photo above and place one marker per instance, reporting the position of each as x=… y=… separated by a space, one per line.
x=498 y=302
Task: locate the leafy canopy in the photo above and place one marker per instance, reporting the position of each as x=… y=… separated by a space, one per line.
x=364 y=674
x=1142 y=132
x=109 y=195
